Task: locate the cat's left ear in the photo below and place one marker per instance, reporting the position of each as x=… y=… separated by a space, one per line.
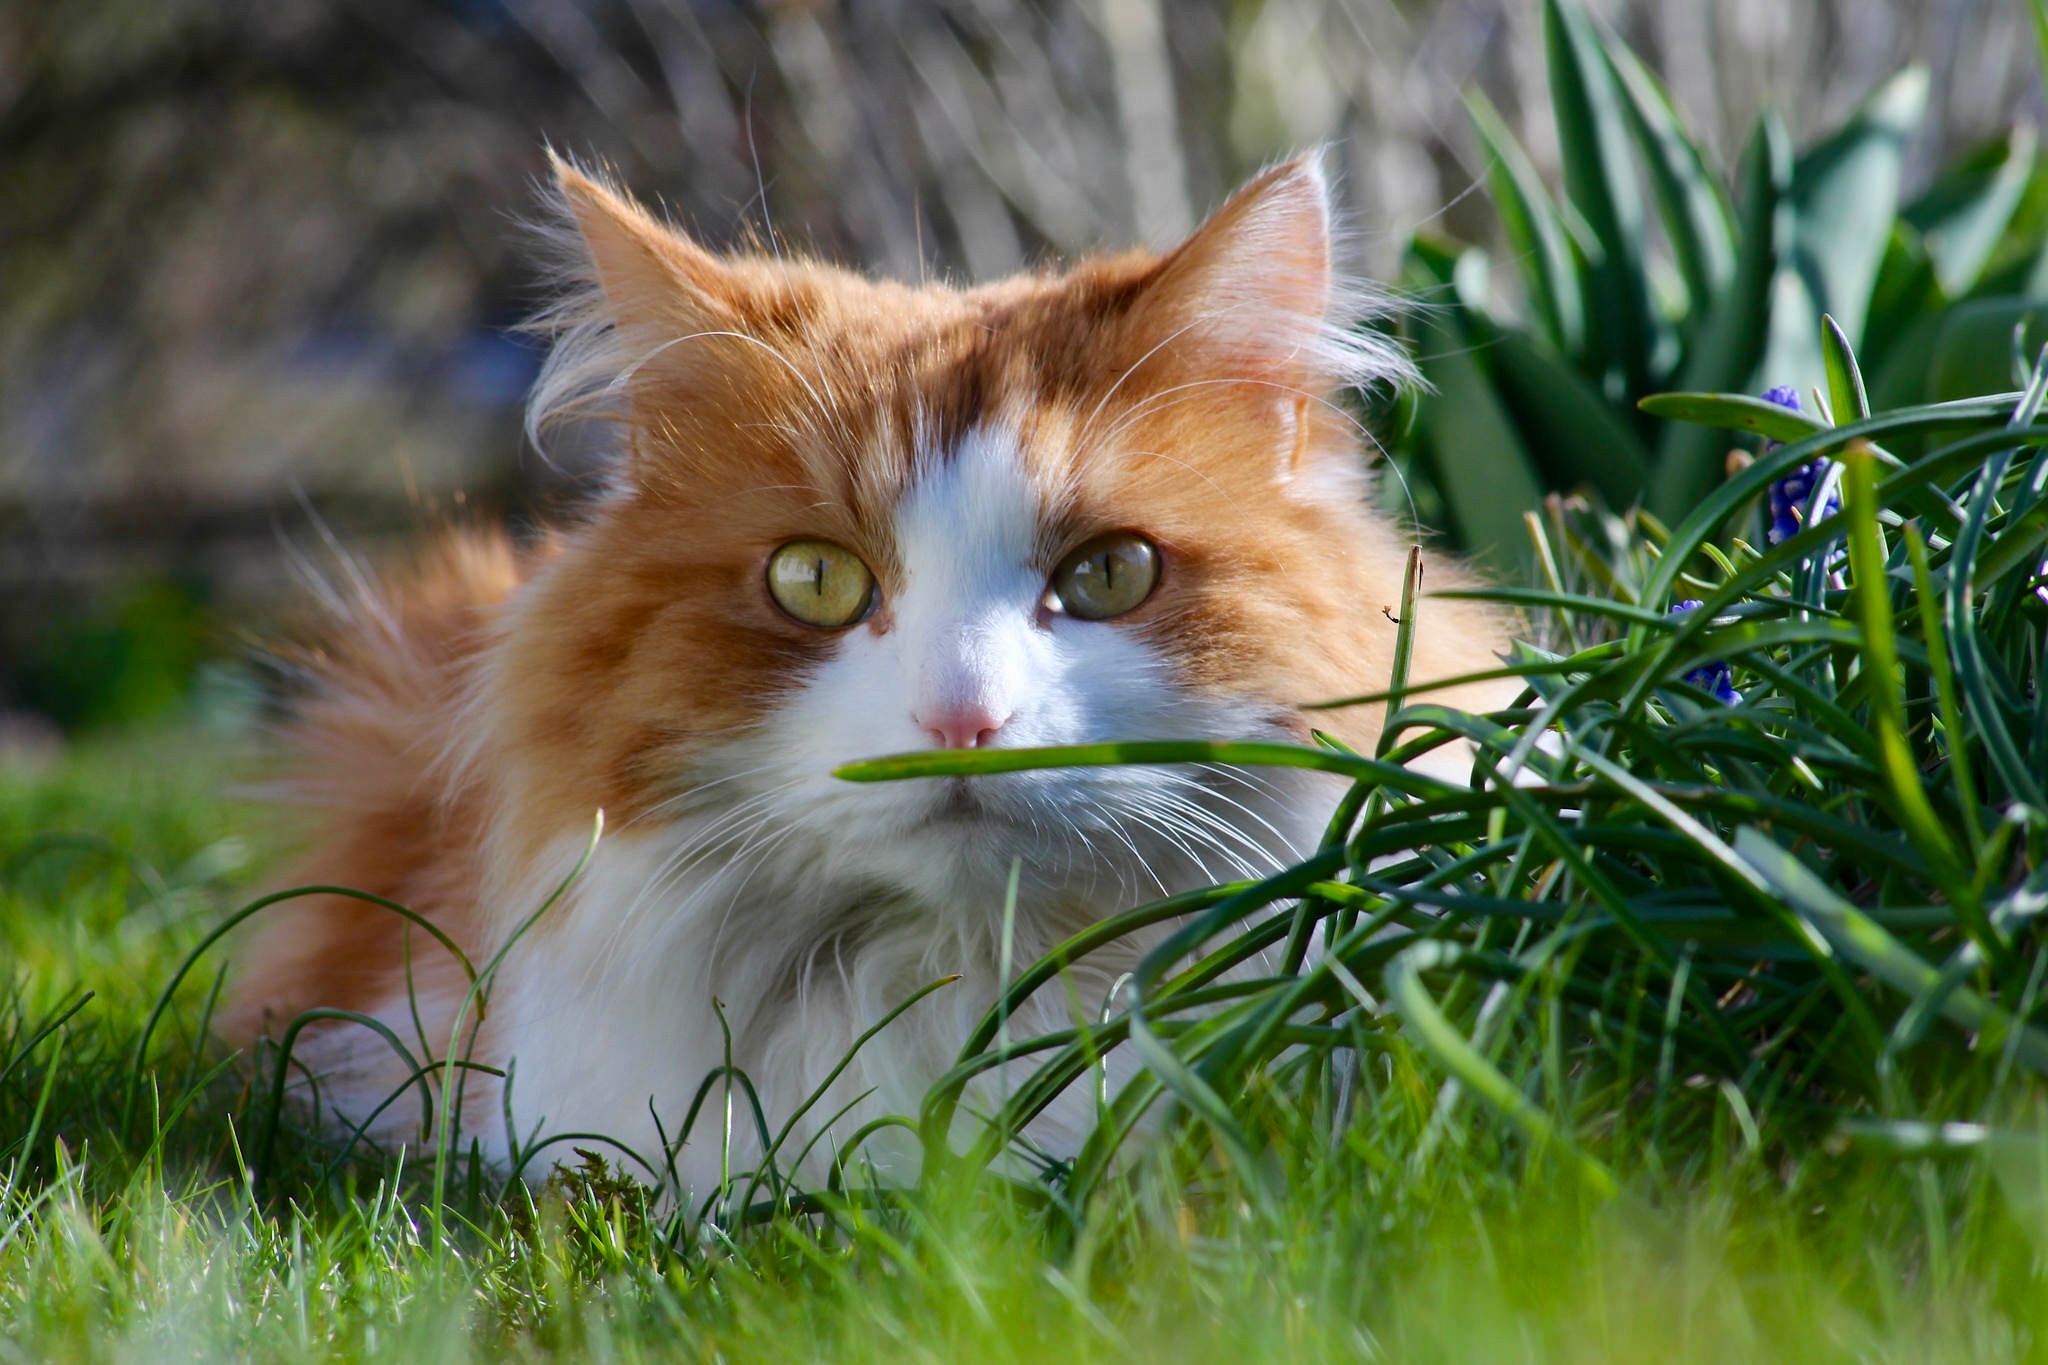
x=1255 y=292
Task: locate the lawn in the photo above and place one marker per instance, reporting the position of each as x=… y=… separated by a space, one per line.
x=1416 y=1231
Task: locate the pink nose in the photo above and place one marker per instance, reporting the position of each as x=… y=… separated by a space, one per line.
x=960 y=727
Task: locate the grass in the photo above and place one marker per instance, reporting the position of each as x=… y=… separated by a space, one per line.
x=1416 y=1231
x=1714 y=1038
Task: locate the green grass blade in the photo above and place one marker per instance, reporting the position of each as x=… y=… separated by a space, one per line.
x=1734 y=412
x=1974 y=661
x=1869 y=945
x=1202 y=1100
x=1869 y=583
x=1429 y=1027
x=2038 y=9
x=1404 y=649
x=1249 y=753
x=1948 y=701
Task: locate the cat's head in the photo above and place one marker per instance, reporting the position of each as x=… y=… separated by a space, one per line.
x=850 y=518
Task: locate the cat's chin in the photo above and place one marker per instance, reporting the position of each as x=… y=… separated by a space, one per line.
x=961 y=804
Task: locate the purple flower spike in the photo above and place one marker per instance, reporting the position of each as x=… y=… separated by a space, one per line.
x=1716 y=679
x=1789 y=495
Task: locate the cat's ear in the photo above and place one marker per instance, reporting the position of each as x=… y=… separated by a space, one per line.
x=640 y=307
x=1255 y=292
x=650 y=274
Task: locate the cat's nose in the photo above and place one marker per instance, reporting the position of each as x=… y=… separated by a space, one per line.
x=961 y=727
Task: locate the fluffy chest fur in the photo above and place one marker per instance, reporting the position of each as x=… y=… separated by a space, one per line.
x=848 y=519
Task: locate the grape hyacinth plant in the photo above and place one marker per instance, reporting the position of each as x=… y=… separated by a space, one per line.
x=1716 y=679
x=1791 y=496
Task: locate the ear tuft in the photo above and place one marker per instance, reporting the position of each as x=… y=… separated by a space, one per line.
x=630 y=287
x=1255 y=290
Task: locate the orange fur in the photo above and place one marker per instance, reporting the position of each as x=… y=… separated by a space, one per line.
x=370 y=742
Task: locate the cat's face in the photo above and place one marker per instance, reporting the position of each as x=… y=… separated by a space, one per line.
x=856 y=518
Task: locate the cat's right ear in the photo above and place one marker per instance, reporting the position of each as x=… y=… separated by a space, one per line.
x=651 y=275
x=636 y=294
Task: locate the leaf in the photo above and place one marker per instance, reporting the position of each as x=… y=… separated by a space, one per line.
x=1690 y=458
x=1906 y=307
x=1872 y=599
x=1972 y=352
x=1869 y=945
x=1690 y=198
x=1530 y=220
x=2039 y=10
x=1571 y=433
x=1846 y=394
x=1600 y=181
x=1845 y=196
x=1733 y=412
x=1963 y=216
x=1476 y=455
x=1426 y=1023
x=1984 y=686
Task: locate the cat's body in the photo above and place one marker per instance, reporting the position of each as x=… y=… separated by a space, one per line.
x=1006 y=465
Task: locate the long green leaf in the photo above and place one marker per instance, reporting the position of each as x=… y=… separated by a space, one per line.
x=1249 y=753
x=1600 y=181
x=1733 y=412
x=1571 y=433
x=1456 y=1054
x=1845 y=194
x=1846 y=394
x=1530 y=220
x=1690 y=199
x=1974 y=662
x=1868 y=944
x=1724 y=357
x=1906 y=310
x=1480 y=465
x=1872 y=592
x=1963 y=215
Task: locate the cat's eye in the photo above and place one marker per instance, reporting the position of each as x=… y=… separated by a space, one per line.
x=1107 y=577
x=821 y=584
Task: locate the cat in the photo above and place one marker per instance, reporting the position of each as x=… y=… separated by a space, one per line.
x=846 y=517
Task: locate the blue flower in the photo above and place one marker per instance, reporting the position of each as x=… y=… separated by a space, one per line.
x=1789 y=496
x=1716 y=679
x=1784 y=395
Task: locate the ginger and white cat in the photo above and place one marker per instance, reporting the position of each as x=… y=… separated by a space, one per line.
x=848 y=518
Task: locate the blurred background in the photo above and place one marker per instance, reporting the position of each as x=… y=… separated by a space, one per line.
x=261 y=262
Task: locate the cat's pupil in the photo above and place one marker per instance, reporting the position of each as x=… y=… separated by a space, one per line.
x=818 y=580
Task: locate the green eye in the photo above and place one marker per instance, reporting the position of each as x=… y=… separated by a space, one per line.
x=1108 y=576
x=821 y=584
